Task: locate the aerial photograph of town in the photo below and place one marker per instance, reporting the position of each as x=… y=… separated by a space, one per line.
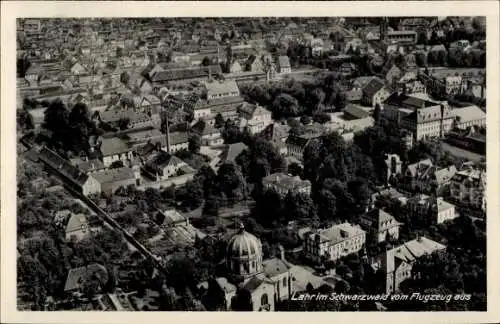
x=251 y=164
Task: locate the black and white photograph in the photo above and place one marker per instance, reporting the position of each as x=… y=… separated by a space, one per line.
x=252 y=163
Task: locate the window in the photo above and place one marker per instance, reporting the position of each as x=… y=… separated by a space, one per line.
x=264 y=300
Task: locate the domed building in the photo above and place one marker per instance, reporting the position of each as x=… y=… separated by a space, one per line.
x=244 y=255
x=266 y=281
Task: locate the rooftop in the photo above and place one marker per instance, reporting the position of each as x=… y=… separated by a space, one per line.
x=113 y=175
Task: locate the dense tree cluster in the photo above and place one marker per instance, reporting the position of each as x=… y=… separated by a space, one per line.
x=293 y=98
x=70 y=129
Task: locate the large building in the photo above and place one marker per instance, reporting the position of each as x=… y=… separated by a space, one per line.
x=267 y=281
x=283 y=184
x=398 y=262
x=433 y=210
x=380 y=225
x=420 y=115
x=334 y=242
x=467 y=188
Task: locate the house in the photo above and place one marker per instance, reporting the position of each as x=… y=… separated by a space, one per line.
x=397 y=263
x=231 y=152
x=468 y=117
x=284 y=64
x=393 y=74
x=221 y=89
x=276 y=132
x=235 y=67
x=171 y=218
x=389 y=193
x=112 y=179
x=71 y=175
x=78 y=277
x=416 y=176
x=257 y=118
x=283 y=184
x=115 y=149
x=88 y=165
x=380 y=225
x=162 y=165
x=374 y=93
x=135 y=119
x=418 y=114
x=467 y=187
x=76 y=228
x=296 y=144
x=78 y=69
x=432 y=210
x=442 y=178
x=178 y=141
x=254 y=64
x=211 y=136
x=334 y=242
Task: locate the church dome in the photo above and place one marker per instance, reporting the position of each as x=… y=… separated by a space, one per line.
x=244 y=253
x=244 y=245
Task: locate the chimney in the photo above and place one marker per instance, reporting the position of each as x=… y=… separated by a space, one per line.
x=282 y=252
x=167 y=133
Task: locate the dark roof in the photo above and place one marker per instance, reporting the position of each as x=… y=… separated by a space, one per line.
x=63 y=166
x=355 y=111
x=185 y=73
x=372 y=87
x=406 y=101
x=162 y=159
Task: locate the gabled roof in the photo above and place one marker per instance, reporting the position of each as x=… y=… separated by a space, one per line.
x=420 y=168
x=77 y=276
x=162 y=159
x=114 y=145
x=284 y=62
x=76 y=222
x=232 y=151
x=217 y=87
x=275 y=266
x=410 y=251
x=373 y=87
x=114 y=175
x=379 y=218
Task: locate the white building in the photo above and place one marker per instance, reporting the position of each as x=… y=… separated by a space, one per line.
x=334 y=242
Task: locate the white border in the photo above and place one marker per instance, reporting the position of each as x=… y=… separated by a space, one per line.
x=10 y=10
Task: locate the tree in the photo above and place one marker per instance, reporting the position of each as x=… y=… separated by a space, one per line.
x=231 y=182
x=321 y=118
x=242 y=301
x=376 y=113
x=306 y=120
x=268 y=208
x=56 y=120
x=123 y=123
x=298 y=206
x=194 y=143
x=294 y=169
x=219 y=121
x=124 y=78
x=285 y=106
x=116 y=165
x=206 y=61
